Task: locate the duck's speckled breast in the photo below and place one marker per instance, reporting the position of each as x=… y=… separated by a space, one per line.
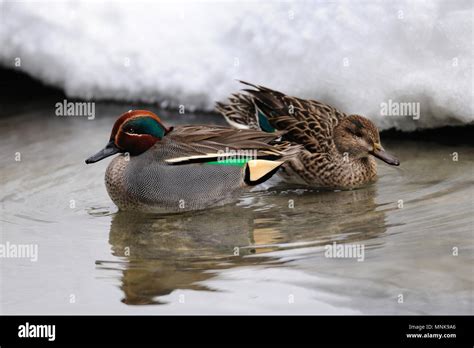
x=115 y=183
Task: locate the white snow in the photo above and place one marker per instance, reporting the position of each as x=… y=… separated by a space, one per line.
x=354 y=55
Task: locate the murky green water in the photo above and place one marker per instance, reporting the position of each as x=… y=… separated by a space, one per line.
x=93 y=260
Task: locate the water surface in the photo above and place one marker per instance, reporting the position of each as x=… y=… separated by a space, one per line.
x=264 y=254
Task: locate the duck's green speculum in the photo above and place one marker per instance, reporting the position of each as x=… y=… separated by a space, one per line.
x=239 y=162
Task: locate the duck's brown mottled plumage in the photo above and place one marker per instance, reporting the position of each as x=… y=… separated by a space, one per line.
x=336 y=145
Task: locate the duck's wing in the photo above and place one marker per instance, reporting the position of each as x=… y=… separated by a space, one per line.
x=204 y=143
x=306 y=122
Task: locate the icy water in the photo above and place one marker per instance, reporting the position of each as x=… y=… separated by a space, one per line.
x=265 y=254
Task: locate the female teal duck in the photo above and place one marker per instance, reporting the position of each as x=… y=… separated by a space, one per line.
x=338 y=149
x=190 y=167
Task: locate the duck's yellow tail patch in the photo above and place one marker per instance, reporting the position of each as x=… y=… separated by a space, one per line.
x=258 y=171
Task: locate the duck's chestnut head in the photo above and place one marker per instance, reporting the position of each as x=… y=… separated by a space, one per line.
x=134 y=132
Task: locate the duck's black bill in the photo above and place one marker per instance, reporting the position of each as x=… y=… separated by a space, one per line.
x=109 y=150
x=386 y=157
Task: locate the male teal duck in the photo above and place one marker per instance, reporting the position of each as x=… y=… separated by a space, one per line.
x=191 y=167
x=338 y=149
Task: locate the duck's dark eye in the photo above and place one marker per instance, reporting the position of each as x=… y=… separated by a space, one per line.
x=357 y=133
x=131 y=130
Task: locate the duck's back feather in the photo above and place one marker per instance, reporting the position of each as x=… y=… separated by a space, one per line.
x=306 y=122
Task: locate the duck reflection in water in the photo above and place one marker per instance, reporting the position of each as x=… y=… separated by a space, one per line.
x=182 y=251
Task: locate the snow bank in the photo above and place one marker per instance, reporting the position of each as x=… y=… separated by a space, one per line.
x=354 y=55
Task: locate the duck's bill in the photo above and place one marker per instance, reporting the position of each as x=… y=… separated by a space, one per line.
x=109 y=150
x=386 y=157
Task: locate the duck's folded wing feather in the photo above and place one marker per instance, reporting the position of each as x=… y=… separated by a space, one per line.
x=202 y=143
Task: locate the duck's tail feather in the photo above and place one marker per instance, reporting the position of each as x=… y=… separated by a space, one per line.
x=239 y=112
x=255 y=109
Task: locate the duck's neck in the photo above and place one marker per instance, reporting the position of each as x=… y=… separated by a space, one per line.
x=362 y=171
